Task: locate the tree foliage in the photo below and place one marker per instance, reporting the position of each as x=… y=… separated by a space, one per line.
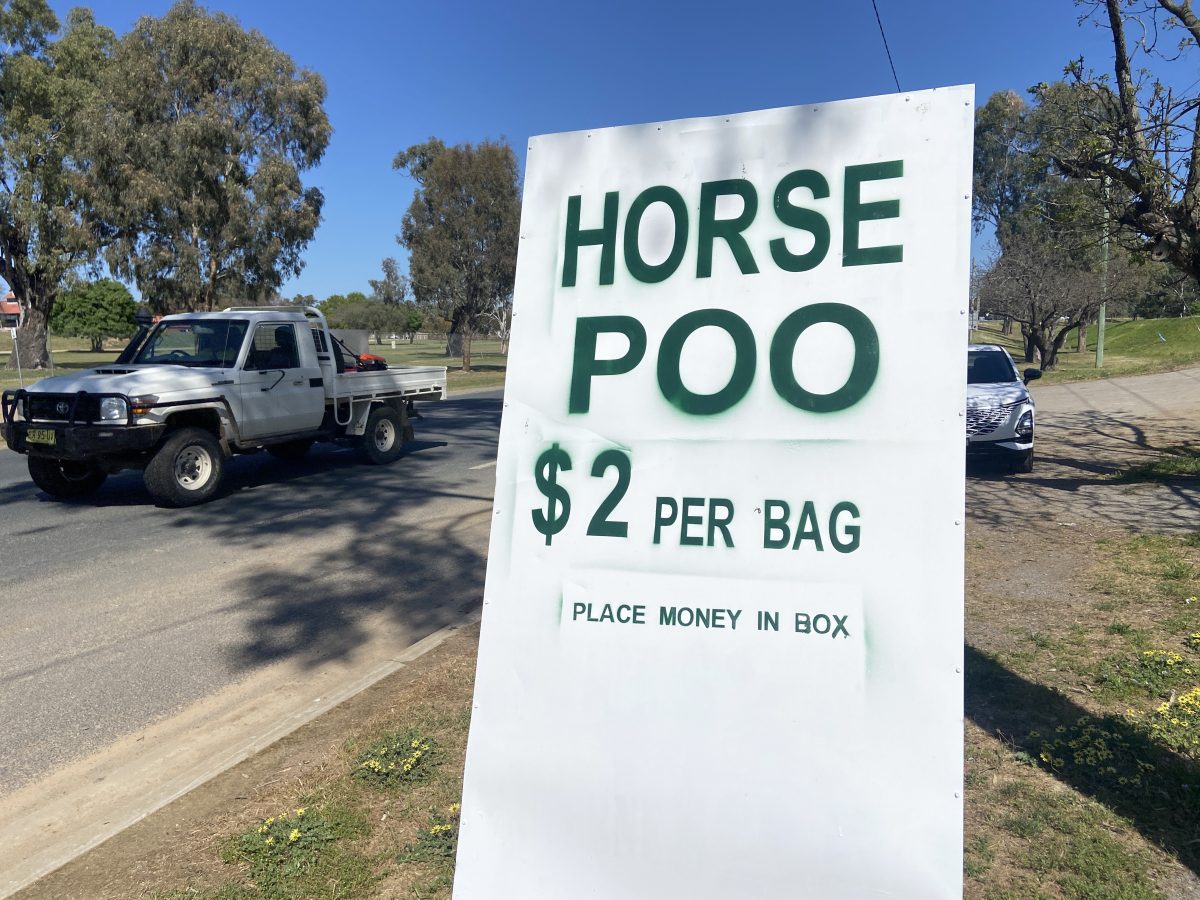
x=392 y=288
x=95 y=311
x=1134 y=138
x=461 y=231
x=47 y=90
x=200 y=145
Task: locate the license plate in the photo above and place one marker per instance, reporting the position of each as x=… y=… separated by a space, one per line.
x=40 y=436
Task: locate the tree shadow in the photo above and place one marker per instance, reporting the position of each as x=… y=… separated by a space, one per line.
x=1103 y=757
x=404 y=541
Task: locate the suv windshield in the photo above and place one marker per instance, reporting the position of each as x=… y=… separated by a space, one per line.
x=989 y=367
x=214 y=342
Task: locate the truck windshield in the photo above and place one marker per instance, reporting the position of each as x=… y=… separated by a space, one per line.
x=207 y=342
x=989 y=367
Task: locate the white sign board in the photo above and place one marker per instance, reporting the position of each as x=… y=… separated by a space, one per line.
x=722 y=633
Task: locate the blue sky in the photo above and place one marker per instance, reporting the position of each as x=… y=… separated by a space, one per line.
x=400 y=72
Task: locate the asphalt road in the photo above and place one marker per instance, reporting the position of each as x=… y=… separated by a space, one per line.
x=118 y=614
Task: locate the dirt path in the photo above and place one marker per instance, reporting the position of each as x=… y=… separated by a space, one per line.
x=1026 y=532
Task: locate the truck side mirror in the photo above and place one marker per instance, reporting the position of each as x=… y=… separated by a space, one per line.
x=1032 y=375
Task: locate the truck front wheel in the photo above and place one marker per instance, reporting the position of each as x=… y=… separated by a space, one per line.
x=383 y=440
x=64 y=478
x=187 y=469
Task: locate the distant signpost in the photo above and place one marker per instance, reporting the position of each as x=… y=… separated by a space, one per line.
x=723 y=633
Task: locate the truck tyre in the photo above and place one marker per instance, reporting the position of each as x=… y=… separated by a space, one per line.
x=292 y=451
x=383 y=441
x=187 y=468
x=65 y=478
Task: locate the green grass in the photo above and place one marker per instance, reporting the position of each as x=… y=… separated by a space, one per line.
x=1131 y=347
x=1172 y=464
x=488 y=364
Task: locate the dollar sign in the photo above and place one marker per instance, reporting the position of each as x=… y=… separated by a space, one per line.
x=545 y=472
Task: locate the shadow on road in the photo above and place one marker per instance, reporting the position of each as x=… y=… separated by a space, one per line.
x=1082 y=469
x=403 y=540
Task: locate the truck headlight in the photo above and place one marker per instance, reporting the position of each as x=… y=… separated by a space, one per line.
x=113 y=408
x=1025 y=424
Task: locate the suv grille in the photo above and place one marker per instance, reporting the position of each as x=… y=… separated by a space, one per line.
x=985 y=420
x=57 y=407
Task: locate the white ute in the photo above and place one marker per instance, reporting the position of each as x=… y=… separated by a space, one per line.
x=200 y=387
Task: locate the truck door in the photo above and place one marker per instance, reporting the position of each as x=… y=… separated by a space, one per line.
x=280 y=393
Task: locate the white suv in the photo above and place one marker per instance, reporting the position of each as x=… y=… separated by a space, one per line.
x=999 y=407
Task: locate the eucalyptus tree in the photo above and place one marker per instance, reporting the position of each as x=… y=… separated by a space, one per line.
x=392 y=288
x=47 y=92
x=201 y=143
x=461 y=232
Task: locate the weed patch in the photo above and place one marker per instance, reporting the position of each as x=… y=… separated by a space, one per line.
x=437 y=841
x=301 y=855
x=400 y=757
x=1152 y=673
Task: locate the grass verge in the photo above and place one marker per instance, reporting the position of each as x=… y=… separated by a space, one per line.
x=1083 y=751
x=1131 y=347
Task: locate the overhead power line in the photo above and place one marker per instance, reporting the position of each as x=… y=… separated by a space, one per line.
x=886 y=48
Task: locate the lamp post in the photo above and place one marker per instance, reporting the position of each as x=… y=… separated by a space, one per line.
x=1104 y=275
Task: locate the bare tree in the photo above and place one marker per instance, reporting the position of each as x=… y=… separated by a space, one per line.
x=1134 y=138
x=1049 y=294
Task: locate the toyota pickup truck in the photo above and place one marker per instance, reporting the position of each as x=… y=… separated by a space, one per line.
x=200 y=387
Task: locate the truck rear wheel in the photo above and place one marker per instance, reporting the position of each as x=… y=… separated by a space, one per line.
x=187 y=469
x=65 y=478
x=383 y=440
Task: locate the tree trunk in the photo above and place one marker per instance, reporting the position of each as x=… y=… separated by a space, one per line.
x=31 y=340
x=1007 y=327
x=97 y=344
x=466 y=350
x=1081 y=341
x=1050 y=353
x=1027 y=335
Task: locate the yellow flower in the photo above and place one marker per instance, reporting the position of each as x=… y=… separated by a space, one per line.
x=300 y=813
x=454 y=808
x=269 y=840
x=294 y=836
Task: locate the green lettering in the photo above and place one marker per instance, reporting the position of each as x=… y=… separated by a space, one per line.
x=638 y=267
x=852 y=531
x=856 y=212
x=585 y=365
x=667 y=615
x=605 y=236
x=862 y=372
x=671 y=349
x=710 y=227
x=807 y=528
x=665 y=513
x=775 y=516
x=719 y=522
x=685 y=539
x=799 y=217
